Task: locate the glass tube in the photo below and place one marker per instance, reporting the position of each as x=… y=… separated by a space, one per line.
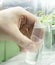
x=37 y=36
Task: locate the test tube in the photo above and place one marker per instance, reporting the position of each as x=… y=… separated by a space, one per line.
x=37 y=36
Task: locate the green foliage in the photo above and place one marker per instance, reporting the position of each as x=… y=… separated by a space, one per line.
x=40 y=13
x=50 y=18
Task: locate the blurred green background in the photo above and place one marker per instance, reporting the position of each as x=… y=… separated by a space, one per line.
x=8 y=49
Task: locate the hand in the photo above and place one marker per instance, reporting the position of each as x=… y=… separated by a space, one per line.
x=16 y=23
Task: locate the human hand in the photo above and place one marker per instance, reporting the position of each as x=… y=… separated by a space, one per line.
x=16 y=23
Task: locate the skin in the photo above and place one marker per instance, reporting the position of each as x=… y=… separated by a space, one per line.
x=17 y=24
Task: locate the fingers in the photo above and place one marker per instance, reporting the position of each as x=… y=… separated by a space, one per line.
x=30 y=18
x=26 y=28
x=21 y=40
x=29 y=15
x=27 y=23
x=22 y=11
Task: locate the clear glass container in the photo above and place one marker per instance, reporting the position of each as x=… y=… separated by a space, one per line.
x=38 y=37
